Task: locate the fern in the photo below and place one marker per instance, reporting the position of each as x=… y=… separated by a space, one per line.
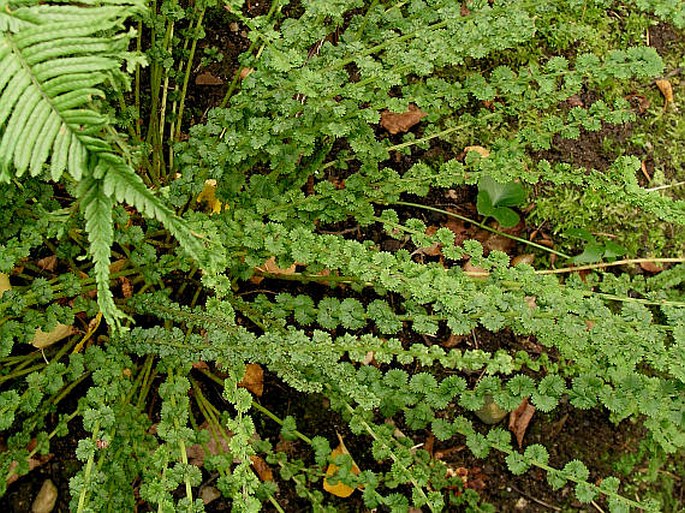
x=54 y=60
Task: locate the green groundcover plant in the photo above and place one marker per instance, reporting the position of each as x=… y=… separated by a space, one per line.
x=144 y=239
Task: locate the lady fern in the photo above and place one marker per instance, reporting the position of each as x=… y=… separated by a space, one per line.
x=55 y=60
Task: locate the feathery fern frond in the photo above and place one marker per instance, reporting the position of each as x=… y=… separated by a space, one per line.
x=52 y=58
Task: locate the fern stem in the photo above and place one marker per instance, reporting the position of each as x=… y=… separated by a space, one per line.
x=483 y=226
x=602 y=265
x=186 y=78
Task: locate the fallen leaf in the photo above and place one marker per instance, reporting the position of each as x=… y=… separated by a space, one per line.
x=34 y=462
x=527 y=258
x=651 y=267
x=4 y=283
x=453 y=341
x=42 y=340
x=245 y=72
x=126 y=287
x=217 y=444
x=666 y=90
x=47 y=263
x=263 y=470
x=575 y=101
x=339 y=489
x=271 y=267
x=46 y=499
x=483 y=152
x=208 y=197
x=400 y=122
x=519 y=420
x=253 y=379
x=207 y=78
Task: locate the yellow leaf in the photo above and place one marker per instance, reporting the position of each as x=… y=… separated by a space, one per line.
x=208 y=197
x=339 y=489
x=4 y=283
x=666 y=90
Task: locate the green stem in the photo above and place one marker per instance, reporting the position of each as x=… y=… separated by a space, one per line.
x=482 y=226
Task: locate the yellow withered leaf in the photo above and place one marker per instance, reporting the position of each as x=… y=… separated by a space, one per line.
x=666 y=90
x=208 y=197
x=4 y=283
x=339 y=489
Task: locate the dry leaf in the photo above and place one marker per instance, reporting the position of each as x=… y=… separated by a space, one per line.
x=271 y=267
x=400 y=122
x=339 y=489
x=209 y=494
x=34 y=462
x=4 y=283
x=483 y=152
x=261 y=468
x=208 y=197
x=527 y=258
x=253 y=379
x=651 y=267
x=245 y=72
x=519 y=420
x=207 y=78
x=42 y=340
x=218 y=444
x=126 y=287
x=48 y=263
x=453 y=341
x=666 y=90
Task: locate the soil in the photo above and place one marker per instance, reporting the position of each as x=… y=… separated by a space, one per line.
x=568 y=433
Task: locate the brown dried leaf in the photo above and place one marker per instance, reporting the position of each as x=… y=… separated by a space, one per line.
x=218 y=444
x=527 y=258
x=48 y=263
x=400 y=122
x=666 y=90
x=519 y=420
x=651 y=267
x=245 y=72
x=483 y=152
x=263 y=470
x=453 y=341
x=34 y=462
x=253 y=379
x=208 y=79
x=271 y=267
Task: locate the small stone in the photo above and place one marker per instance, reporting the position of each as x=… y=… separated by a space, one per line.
x=46 y=499
x=521 y=504
x=233 y=26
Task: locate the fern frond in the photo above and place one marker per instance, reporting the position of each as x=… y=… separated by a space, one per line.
x=52 y=60
x=96 y=207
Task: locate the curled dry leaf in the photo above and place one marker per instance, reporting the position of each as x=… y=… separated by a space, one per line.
x=261 y=468
x=651 y=267
x=483 y=152
x=47 y=263
x=519 y=420
x=253 y=379
x=339 y=489
x=400 y=122
x=666 y=89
